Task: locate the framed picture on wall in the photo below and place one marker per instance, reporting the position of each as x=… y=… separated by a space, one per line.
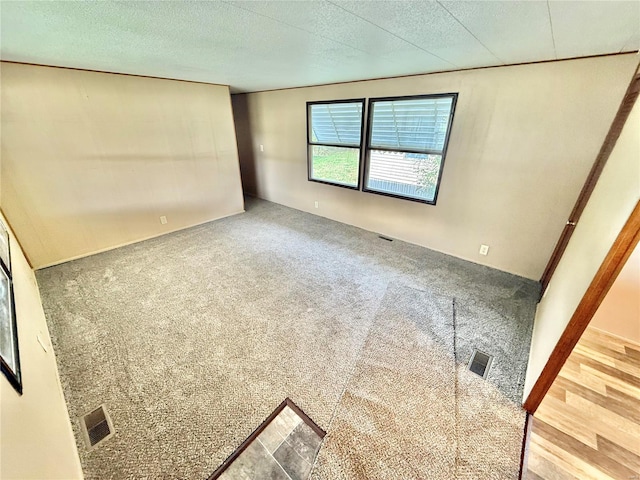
x=9 y=355
x=5 y=258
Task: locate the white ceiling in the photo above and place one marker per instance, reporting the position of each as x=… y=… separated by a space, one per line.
x=261 y=45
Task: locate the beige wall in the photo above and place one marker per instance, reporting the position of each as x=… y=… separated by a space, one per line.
x=611 y=203
x=90 y=161
x=619 y=313
x=522 y=142
x=36 y=440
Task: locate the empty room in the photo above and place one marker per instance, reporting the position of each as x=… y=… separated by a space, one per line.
x=319 y=240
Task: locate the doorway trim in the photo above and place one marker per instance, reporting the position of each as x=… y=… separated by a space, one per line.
x=617 y=256
x=624 y=110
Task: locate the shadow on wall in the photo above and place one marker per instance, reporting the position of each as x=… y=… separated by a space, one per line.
x=245 y=145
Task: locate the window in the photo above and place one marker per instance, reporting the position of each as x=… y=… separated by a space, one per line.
x=334 y=138
x=406 y=145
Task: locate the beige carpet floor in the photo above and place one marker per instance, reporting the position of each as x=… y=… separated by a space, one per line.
x=192 y=339
x=404 y=413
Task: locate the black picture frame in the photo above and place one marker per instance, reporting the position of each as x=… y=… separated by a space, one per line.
x=5 y=249
x=9 y=351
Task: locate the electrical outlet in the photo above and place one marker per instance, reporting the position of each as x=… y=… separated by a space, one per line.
x=316 y=204
x=262 y=148
x=163 y=220
x=484 y=249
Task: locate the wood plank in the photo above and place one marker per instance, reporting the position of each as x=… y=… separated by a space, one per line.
x=611 y=339
x=547 y=464
x=614 y=381
x=600 y=421
x=617 y=354
x=566 y=419
x=605 y=339
x=582 y=451
x=609 y=357
x=571 y=365
x=613 y=359
x=572 y=466
x=531 y=475
x=619 y=454
x=543 y=464
x=557 y=391
x=624 y=405
x=586 y=379
x=607 y=370
x=621 y=396
x=627 y=368
x=632 y=352
x=594 y=354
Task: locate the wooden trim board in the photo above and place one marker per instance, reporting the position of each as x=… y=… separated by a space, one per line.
x=524 y=454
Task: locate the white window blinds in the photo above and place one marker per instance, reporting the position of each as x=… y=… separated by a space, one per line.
x=336 y=123
x=417 y=125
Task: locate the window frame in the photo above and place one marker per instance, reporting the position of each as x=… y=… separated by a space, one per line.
x=367 y=148
x=310 y=144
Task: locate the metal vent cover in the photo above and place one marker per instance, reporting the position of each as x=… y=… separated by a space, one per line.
x=96 y=427
x=480 y=363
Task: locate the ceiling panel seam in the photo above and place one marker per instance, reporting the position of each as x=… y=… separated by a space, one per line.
x=470 y=32
x=296 y=27
x=553 y=37
x=395 y=35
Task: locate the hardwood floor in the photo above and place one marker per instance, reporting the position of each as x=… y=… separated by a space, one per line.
x=588 y=425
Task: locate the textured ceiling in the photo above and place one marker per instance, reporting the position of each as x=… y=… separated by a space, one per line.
x=261 y=45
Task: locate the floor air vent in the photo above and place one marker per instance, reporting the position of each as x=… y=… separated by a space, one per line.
x=480 y=363
x=96 y=427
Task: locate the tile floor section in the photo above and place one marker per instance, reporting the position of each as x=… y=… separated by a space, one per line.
x=284 y=450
